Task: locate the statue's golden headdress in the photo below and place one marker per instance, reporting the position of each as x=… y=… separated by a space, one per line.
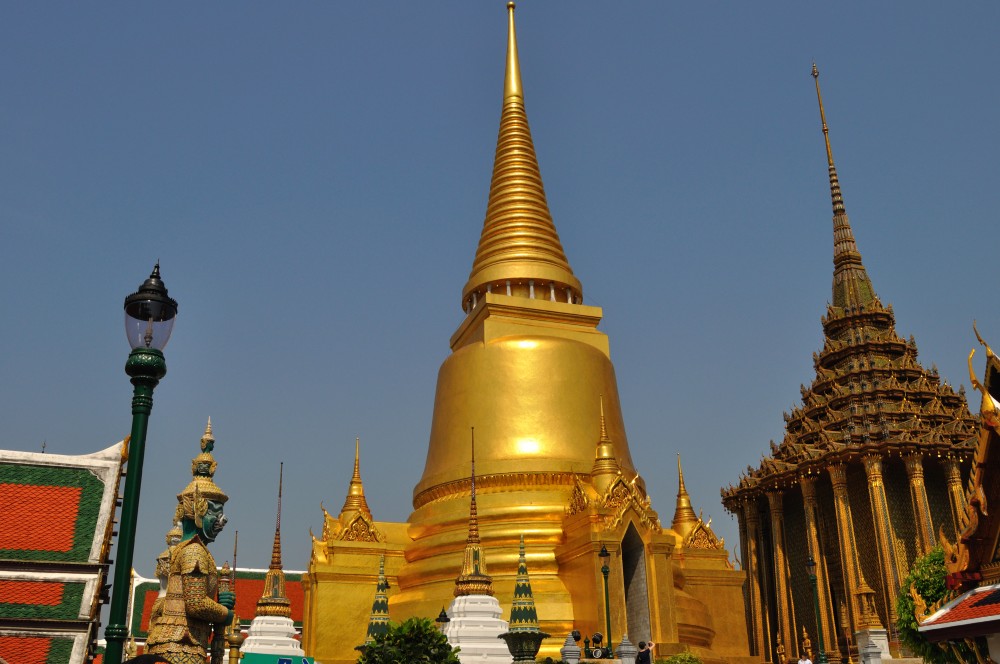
x=193 y=500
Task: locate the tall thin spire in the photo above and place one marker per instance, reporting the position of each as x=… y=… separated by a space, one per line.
x=519 y=250
x=378 y=621
x=355 y=501
x=273 y=601
x=276 y=549
x=851 y=285
x=684 y=517
x=474 y=579
x=605 y=468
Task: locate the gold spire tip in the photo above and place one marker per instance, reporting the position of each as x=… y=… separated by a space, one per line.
x=512 y=79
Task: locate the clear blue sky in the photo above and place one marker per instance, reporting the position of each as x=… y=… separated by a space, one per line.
x=313 y=178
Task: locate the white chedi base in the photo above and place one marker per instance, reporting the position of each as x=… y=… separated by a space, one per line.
x=272 y=635
x=475 y=626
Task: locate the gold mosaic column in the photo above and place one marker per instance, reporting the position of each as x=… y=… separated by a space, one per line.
x=921 y=508
x=782 y=599
x=848 y=547
x=825 y=617
x=956 y=497
x=883 y=531
x=751 y=520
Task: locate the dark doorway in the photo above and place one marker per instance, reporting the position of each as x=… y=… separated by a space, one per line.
x=636 y=591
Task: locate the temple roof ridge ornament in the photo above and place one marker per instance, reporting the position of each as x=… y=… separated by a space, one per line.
x=355 y=522
x=519 y=250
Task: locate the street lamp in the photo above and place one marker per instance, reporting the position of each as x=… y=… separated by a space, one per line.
x=605 y=569
x=149 y=319
x=811 y=567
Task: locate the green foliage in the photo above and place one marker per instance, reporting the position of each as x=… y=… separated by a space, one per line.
x=416 y=641
x=680 y=658
x=927 y=577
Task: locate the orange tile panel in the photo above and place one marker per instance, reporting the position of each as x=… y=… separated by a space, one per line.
x=37 y=517
x=24 y=649
x=34 y=593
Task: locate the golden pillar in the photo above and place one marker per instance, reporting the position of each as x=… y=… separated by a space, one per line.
x=750 y=521
x=956 y=497
x=921 y=508
x=848 y=546
x=825 y=617
x=783 y=600
x=883 y=533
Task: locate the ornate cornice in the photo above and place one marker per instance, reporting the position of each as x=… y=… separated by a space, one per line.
x=497 y=483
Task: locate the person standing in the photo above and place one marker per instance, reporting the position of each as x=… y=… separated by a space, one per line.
x=645 y=654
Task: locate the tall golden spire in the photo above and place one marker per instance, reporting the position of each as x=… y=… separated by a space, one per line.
x=474 y=579
x=605 y=467
x=519 y=250
x=273 y=601
x=684 y=517
x=355 y=501
x=851 y=285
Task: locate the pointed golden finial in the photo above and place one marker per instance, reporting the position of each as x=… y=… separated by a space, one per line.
x=512 y=77
x=605 y=468
x=474 y=579
x=276 y=549
x=851 y=285
x=519 y=250
x=273 y=601
x=355 y=501
x=207 y=436
x=684 y=517
x=604 y=428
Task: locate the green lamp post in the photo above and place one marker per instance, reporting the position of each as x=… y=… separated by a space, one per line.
x=811 y=566
x=149 y=319
x=605 y=569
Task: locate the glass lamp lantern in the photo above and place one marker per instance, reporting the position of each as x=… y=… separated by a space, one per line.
x=150 y=314
x=811 y=568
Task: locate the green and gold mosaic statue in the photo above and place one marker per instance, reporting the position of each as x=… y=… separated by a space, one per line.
x=181 y=626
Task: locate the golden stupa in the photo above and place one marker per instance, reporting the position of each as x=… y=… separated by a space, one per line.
x=530 y=371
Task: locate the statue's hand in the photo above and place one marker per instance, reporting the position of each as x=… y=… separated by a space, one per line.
x=227 y=599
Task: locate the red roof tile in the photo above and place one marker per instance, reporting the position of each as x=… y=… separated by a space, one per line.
x=25 y=649
x=981 y=603
x=36 y=593
x=39 y=518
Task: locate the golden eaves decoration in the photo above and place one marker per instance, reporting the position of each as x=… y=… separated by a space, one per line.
x=703 y=537
x=622 y=496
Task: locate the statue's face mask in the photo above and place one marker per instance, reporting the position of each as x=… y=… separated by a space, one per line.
x=212 y=522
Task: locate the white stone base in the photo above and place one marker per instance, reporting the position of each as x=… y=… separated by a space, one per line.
x=272 y=635
x=876 y=636
x=475 y=627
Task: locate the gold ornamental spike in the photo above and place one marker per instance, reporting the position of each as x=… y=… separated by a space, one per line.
x=685 y=519
x=605 y=468
x=276 y=548
x=273 y=601
x=355 y=501
x=519 y=250
x=851 y=285
x=474 y=579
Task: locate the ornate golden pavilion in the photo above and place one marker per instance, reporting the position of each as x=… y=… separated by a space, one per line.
x=869 y=470
x=530 y=371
